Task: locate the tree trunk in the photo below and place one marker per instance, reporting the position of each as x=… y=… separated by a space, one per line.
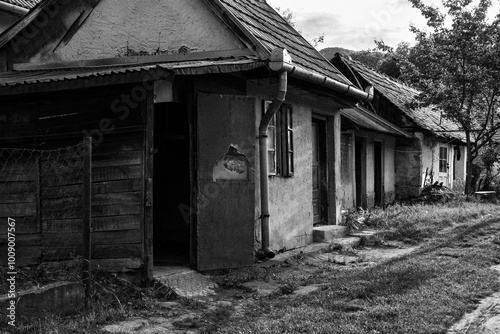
x=468 y=175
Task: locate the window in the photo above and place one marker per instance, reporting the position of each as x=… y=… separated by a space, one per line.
x=443 y=160
x=280 y=141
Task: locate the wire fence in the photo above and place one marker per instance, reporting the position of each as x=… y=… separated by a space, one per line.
x=43 y=194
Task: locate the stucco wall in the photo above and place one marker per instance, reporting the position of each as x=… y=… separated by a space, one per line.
x=291 y=198
x=408 y=166
x=291 y=220
x=348 y=177
x=389 y=169
x=430 y=159
x=460 y=168
x=147 y=26
x=417 y=163
x=226 y=206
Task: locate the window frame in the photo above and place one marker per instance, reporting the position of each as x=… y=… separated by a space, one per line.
x=281 y=154
x=443 y=161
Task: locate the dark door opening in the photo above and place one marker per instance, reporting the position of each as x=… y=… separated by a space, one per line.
x=379 y=176
x=171 y=185
x=319 y=186
x=360 y=163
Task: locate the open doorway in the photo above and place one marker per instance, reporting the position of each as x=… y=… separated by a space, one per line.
x=171 y=185
x=379 y=173
x=319 y=186
x=360 y=172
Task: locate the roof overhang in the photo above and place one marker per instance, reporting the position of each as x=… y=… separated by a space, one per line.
x=64 y=78
x=366 y=119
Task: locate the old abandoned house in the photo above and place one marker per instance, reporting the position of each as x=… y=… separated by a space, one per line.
x=196 y=160
x=436 y=150
x=368 y=158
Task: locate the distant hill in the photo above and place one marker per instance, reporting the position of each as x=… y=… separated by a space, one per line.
x=328 y=53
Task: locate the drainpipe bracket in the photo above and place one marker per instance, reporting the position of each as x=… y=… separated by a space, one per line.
x=279 y=57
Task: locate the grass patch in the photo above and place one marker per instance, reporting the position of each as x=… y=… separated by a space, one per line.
x=424 y=292
x=416 y=223
x=113 y=299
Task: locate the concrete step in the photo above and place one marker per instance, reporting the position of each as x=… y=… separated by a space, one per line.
x=328 y=233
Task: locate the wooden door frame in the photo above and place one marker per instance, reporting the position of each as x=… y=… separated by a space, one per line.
x=334 y=163
x=147 y=190
x=322 y=122
x=364 y=141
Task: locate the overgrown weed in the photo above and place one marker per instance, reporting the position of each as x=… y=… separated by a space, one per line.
x=418 y=222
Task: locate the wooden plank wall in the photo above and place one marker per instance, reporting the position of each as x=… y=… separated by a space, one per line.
x=53 y=232
x=18 y=200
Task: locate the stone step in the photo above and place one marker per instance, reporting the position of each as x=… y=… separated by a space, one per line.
x=185 y=282
x=346 y=243
x=368 y=236
x=328 y=233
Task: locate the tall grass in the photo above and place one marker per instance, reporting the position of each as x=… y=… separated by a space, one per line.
x=415 y=223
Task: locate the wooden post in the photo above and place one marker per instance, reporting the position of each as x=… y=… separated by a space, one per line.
x=87 y=217
x=334 y=162
x=148 y=118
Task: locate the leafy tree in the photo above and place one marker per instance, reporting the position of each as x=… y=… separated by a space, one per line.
x=456 y=64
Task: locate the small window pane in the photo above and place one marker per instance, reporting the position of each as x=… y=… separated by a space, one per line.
x=271 y=155
x=290 y=164
x=271 y=138
x=443 y=160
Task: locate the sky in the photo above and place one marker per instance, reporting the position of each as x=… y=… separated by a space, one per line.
x=354 y=24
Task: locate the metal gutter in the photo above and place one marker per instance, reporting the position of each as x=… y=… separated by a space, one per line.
x=20 y=11
x=281 y=61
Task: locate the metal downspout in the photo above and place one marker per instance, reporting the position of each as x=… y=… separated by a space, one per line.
x=280 y=61
x=20 y=11
x=264 y=169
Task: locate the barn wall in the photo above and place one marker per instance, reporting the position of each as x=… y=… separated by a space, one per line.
x=52 y=121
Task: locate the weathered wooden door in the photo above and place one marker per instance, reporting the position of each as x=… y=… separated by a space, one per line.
x=319 y=195
x=226 y=208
